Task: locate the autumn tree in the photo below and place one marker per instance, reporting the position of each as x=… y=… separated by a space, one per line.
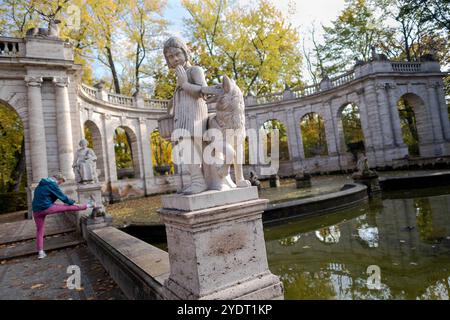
x=12 y=150
x=351 y=36
x=144 y=27
x=252 y=44
x=269 y=126
x=312 y=127
x=122 y=148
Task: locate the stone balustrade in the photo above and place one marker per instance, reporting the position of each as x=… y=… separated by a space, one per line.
x=288 y=94
x=90 y=91
x=11 y=47
x=120 y=99
x=406 y=66
x=123 y=100
x=156 y=104
x=343 y=79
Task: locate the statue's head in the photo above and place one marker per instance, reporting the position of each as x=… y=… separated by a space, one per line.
x=176 y=52
x=83 y=143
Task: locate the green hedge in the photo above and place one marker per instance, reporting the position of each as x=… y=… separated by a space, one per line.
x=13 y=201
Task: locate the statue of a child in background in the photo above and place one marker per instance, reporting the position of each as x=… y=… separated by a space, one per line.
x=85 y=164
x=190 y=111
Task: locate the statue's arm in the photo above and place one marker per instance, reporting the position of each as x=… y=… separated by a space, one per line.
x=198 y=82
x=92 y=155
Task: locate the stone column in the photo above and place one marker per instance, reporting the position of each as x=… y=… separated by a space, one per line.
x=253 y=139
x=385 y=116
x=64 y=127
x=440 y=96
x=435 y=112
x=146 y=154
x=376 y=158
x=395 y=116
x=366 y=128
x=38 y=145
x=292 y=135
x=330 y=132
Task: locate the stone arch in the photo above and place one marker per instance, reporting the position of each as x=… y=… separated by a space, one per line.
x=351 y=137
x=162 y=161
x=14 y=156
x=415 y=123
x=93 y=135
x=130 y=146
x=270 y=124
x=313 y=133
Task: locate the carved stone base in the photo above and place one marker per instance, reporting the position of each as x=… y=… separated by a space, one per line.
x=219 y=252
x=85 y=192
x=372 y=183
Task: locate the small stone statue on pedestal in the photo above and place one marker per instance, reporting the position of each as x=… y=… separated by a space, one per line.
x=366 y=176
x=303 y=180
x=254 y=180
x=85 y=165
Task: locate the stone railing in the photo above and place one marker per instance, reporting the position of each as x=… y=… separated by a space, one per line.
x=120 y=99
x=406 y=66
x=268 y=98
x=288 y=94
x=90 y=91
x=11 y=47
x=123 y=100
x=306 y=91
x=343 y=79
x=156 y=104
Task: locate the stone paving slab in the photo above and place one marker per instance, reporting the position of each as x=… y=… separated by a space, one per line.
x=26 y=229
x=20 y=249
x=32 y=279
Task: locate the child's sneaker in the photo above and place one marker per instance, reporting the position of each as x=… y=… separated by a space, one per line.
x=91 y=203
x=41 y=254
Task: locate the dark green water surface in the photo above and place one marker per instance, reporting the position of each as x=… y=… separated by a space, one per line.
x=406 y=236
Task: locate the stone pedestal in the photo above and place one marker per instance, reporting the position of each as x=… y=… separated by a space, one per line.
x=216 y=246
x=303 y=181
x=85 y=191
x=274 y=181
x=371 y=182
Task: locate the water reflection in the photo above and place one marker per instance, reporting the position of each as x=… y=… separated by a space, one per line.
x=409 y=239
x=329 y=235
x=367 y=232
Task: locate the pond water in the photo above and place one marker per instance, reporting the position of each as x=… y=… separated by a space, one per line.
x=397 y=247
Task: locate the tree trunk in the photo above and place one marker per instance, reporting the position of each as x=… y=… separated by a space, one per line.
x=112 y=66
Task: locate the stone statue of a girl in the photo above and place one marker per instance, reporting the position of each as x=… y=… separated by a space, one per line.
x=85 y=165
x=190 y=111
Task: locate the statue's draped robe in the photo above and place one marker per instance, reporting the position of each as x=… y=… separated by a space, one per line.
x=190 y=111
x=85 y=165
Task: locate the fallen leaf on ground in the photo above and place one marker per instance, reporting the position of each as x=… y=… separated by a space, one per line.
x=37 y=286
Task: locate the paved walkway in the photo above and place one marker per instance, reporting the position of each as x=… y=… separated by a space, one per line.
x=32 y=279
x=23 y=276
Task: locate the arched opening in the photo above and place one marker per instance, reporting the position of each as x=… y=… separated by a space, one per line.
x=161 y=154
x=126 y=151
x=269 y=126
x=413 y=123
x=314 y=138
x=350 y=130
x=13 y=177
x=93 y=136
